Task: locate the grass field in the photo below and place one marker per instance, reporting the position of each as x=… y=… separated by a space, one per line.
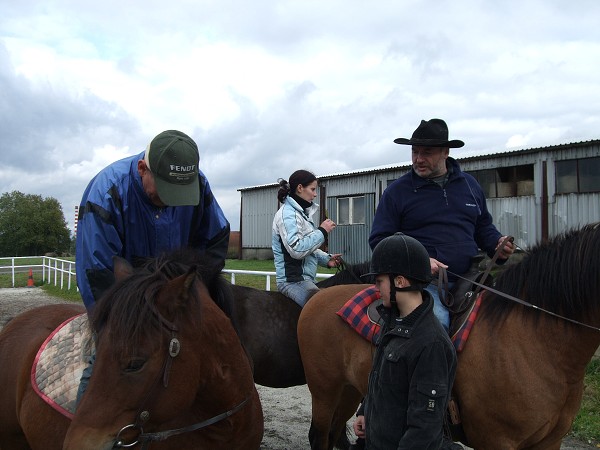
x=585 y=427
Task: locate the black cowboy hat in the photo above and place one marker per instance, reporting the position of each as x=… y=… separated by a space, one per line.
x=433 y=133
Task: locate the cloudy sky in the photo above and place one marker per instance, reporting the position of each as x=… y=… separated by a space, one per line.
x=267 y=87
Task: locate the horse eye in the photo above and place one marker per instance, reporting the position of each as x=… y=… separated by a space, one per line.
x=135 y=365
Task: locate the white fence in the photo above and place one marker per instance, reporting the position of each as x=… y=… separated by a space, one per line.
x=61 y=272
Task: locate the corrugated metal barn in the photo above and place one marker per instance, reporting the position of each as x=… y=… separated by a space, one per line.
x=532 y=194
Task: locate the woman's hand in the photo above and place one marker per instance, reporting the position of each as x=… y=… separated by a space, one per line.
x=335 y=260
x=328 y=225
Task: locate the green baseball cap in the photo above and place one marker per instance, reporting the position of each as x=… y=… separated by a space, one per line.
x=173 y=158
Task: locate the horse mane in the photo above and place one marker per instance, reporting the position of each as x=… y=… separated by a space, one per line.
x=559 y=275
x=128 y=305
x=350 y=274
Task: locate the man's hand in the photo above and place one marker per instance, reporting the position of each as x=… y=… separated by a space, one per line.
x=435 y=266
x=508 y=248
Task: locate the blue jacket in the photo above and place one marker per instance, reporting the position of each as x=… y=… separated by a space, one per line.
x=452 y=222
x=116 y=217
x=295 y=243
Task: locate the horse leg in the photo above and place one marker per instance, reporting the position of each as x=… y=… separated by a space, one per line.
x=346 y=409
x=324 y=405
x=331 y=411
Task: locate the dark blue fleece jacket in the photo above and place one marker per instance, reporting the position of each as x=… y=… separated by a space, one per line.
x=452 y=222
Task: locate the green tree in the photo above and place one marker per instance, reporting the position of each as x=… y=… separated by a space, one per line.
x=31 y=225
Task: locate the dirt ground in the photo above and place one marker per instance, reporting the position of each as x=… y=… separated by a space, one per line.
x=286 y=411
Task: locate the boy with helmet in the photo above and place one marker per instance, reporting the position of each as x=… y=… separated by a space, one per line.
x=415 y=362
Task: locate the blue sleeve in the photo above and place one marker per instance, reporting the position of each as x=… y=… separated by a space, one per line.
x=97 y=241
x=297 y=244
x=486 y=233
x=211 y=233
x=387 y=220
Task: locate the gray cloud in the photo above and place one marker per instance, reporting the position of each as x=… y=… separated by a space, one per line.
x=353 y=77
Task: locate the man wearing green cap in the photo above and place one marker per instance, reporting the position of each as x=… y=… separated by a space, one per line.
x=144 y=205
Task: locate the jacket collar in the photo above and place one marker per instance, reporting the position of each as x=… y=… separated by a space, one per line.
x=404 y=326
x=307 y=212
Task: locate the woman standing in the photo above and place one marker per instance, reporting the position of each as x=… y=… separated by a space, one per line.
x=296 y=239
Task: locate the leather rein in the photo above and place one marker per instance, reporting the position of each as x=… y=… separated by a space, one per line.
x=443 y=282
x=143 y=414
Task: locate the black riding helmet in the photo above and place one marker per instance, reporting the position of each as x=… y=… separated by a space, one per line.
x=400 y=254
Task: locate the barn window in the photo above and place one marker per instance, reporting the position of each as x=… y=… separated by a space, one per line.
x=351 y=210
x=506 y=181
x=578 y=175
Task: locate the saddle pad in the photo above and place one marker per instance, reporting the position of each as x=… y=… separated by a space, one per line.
x=462 y=334
x=354 y=312
x=59 y=363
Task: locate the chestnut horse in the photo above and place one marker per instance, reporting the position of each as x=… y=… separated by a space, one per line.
x=170 y=370
x=519 y=380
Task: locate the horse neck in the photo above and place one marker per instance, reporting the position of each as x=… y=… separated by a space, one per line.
x=224 y=361
x=562 y=344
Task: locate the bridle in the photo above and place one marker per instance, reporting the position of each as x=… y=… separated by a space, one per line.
x=342 y=265
x=443 y=281
x=143 y=415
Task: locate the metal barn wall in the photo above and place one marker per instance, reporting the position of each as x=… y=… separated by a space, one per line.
x=517 y=217
x=514 y=216
x=574 y=210
x=258 y=208
x=571 y=210
x=352 y=241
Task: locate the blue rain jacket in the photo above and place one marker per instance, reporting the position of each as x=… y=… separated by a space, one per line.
x=116 y=217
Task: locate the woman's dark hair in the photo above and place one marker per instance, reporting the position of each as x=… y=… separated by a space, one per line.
x=303 y=177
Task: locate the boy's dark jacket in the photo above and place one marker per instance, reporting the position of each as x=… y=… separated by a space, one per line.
x=410 y=382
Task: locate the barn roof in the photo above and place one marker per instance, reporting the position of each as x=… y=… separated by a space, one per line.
x=473 y=156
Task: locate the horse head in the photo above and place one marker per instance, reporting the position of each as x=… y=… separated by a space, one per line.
x=167 y=358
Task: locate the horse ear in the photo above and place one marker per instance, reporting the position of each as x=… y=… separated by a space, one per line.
x=122 y=269
x=189 y=280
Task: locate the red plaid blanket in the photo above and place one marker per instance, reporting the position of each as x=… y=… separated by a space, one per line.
x=354 y=312
x=460 y=337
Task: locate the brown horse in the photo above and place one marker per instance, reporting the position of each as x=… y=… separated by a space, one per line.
x=267 y=322
x=520 y=375
x=169 y=370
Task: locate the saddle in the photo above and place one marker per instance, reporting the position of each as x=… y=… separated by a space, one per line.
x=59 y=363
x=461 y=299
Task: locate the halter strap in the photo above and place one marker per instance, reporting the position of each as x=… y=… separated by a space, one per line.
x=146 y=438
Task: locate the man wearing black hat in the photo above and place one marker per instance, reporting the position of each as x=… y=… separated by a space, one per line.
x=440 y=206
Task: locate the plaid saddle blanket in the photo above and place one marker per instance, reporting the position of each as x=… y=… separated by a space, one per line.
x=354 y=312
x=57 y=368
